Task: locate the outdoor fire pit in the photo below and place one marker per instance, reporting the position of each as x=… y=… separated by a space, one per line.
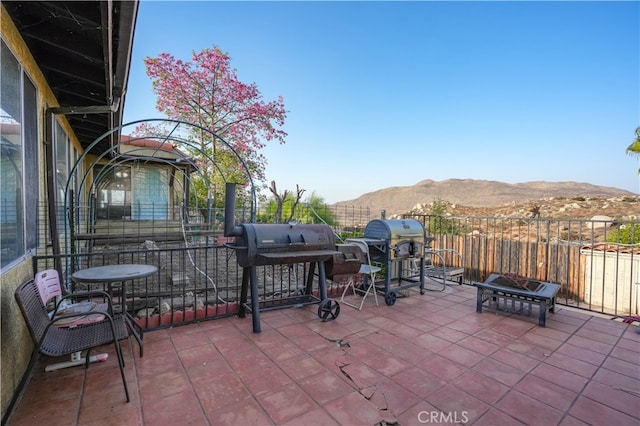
x=517 y=282
x=515 y=294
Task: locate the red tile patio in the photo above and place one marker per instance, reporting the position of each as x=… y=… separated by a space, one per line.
x=428 y=359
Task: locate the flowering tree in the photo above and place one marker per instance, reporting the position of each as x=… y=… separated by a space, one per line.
x=207 y=92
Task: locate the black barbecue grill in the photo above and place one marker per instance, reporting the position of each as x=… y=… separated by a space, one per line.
x=391 y=243
x=273 y=244
x=281 y=244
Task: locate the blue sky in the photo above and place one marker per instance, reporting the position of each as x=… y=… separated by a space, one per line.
x=385 y=94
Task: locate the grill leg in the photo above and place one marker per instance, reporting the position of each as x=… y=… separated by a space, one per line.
x=322 y=281
x=255 y=303
x=387 y=280
x=242 y=309
x=310 y=275
x=422 y=275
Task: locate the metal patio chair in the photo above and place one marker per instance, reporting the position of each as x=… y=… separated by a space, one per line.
x=59 y=335
x=369 y=271
x=440 y=265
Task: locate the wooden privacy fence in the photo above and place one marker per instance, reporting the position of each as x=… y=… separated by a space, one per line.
x=482 y=256
x=593 y=274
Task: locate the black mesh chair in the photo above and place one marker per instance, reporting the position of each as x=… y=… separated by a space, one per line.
x=54 y=337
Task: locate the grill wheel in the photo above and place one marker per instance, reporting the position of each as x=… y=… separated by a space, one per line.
x=390 y=298
x=328 y=310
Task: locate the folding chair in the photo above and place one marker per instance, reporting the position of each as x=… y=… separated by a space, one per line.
x=368 y=271
x=69 y=333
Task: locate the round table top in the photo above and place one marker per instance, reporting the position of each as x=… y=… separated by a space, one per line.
x=114 y=273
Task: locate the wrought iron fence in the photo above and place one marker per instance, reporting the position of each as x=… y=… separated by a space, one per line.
x=199 y=277
x=596 y=272
x=192 y=284
x=122 y=227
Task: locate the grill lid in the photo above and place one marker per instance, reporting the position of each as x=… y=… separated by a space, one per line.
x=271 y=244
x=405 y=237
x=394 y=229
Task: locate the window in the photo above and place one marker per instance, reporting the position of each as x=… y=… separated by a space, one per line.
x=132 y=193
x=150 y=188
x=18 y=160
x=114 y=192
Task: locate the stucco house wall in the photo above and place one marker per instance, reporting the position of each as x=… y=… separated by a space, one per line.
x=15 y=342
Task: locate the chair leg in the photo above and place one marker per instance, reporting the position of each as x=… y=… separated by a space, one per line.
x=121 y=365
x=364 y=297
x=351 y=285
x=346 y=288
x=371 y=288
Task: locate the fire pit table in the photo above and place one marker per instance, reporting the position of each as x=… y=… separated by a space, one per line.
x=514 y=294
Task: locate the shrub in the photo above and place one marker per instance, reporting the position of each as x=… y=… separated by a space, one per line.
x=439 y=223
x=349 y=234
x=439 y=207
x=625 y=234
x=570 y=236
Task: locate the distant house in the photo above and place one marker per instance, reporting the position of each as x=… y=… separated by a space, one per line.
x=64 y=72
x=146 y=187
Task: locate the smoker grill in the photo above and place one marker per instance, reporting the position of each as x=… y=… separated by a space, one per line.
x=274 y=244
x=280 y=244
x=345 y=262
x=391 y=242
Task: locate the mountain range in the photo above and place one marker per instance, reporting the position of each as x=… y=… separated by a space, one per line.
x=475 y=193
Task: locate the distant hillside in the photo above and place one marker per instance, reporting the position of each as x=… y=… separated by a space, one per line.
x=475 y=193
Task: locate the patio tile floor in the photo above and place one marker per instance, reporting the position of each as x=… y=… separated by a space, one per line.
x=428 y=359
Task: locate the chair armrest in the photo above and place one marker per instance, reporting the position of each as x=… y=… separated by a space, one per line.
x=444 y=250
x=83 y=295
x=446 y=256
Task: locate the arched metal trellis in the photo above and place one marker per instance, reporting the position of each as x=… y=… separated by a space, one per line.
x=160 y=143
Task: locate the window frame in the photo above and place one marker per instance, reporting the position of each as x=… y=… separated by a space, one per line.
x=26 y=235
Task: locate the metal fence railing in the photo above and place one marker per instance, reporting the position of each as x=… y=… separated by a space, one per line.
x=596 y=271
x=192 y=284
x=199 y=277
x=83 y=227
